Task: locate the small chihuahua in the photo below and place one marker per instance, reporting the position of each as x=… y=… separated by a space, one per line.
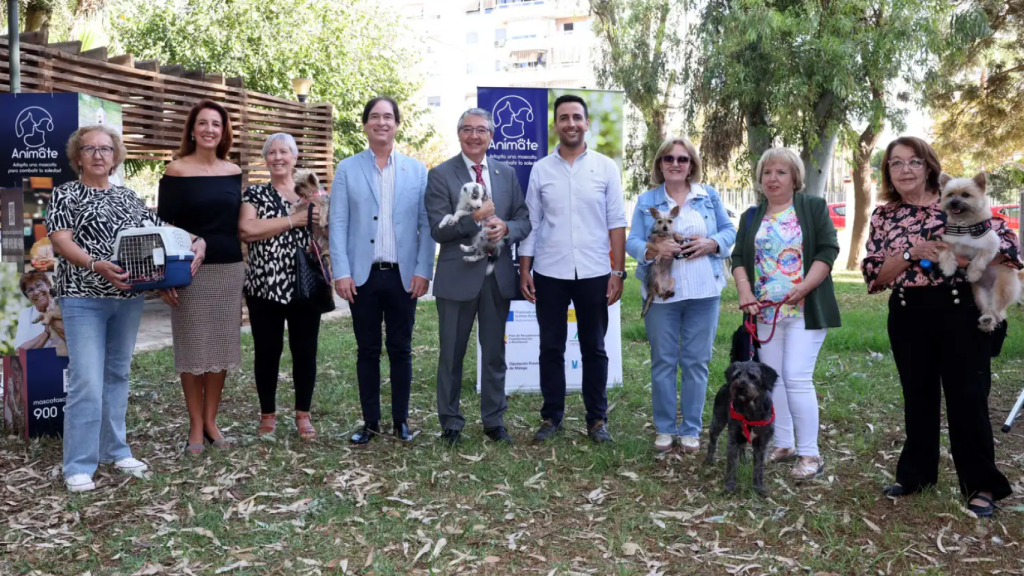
x=659 y=279
x=307 y=186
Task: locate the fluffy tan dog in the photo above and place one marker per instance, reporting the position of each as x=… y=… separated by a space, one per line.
x=54 y=321
x=969 y=234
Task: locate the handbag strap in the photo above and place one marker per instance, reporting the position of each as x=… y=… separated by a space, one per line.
x=316 y=248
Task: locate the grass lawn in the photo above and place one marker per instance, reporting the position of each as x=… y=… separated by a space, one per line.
x=278 y=506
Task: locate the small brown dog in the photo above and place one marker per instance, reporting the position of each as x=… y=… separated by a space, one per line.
x=969 y=234
x=53 y=320
x=659 y=279
x=307 y=186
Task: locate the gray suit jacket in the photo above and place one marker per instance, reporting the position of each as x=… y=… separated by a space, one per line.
x=456 y=279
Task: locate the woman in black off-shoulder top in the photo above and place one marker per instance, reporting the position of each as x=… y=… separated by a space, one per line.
x=201 y=192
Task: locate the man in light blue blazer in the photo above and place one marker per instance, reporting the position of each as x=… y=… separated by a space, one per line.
x=383 y=259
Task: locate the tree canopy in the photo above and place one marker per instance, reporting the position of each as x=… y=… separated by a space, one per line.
x=346 y=46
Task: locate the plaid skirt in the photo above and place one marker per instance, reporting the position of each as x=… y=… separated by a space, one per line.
x=207 y=322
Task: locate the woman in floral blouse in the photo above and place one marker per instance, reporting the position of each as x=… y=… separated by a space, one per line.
x=784 y=253
x=933 y=330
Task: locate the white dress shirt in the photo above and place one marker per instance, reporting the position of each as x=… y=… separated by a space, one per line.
x=385 y=249
x=572 y=208
x=694 y=278
x=472 y=173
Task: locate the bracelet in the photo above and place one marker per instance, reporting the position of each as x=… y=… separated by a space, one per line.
x=91 y=265
x=744 y=280
x=289 y=216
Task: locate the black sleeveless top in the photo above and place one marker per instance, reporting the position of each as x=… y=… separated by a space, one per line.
x=208 y=207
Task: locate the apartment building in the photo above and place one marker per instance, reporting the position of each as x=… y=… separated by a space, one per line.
x=470 y=43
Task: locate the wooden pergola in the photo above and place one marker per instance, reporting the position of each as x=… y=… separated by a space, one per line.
x=156 y=98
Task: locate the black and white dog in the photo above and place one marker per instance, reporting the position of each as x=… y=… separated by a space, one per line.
x=744 y=405
x=472 y=197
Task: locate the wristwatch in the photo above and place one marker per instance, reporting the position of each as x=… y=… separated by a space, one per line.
x=620 y=273
x=906 y=256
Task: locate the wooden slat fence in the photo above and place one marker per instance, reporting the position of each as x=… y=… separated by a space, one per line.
x=155 y=105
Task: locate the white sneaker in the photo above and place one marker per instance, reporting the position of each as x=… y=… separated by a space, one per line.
x=689 y=443
x=131 y=466
x=79 y=483
x=663 y=442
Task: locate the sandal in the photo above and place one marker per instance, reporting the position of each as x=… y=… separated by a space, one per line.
x=782 y=455
x=221 y=443
x=194 y=449
x=306 y=430
x=268 y=424
x=809 y=467
x=982 y=511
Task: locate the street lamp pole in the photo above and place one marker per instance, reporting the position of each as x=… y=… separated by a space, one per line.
x=13 y=46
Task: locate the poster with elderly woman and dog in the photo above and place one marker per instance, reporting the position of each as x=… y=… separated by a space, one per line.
x=32 y=344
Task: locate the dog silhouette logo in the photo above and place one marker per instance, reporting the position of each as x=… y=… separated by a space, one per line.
x=511 y=114
x=32 y=125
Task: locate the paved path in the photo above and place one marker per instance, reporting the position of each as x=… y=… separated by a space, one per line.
x=155 y=332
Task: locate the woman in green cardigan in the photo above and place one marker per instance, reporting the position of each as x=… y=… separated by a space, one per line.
x=785 y=248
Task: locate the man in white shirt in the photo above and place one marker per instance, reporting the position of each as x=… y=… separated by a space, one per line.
x=576 y=212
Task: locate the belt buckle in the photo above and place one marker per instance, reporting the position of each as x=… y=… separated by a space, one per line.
x=385 y=265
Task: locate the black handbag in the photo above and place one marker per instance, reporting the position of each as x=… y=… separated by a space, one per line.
x=312 y=284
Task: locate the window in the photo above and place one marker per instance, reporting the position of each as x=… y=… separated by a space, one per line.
x=497 y=65
x=839 y=210
x=567 y=27
x=1013 y=212
x=499 y=34
x=434 y=101
x=472 y=38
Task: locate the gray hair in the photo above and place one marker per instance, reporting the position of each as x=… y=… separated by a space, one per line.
x=478 y=112
x=286 y=138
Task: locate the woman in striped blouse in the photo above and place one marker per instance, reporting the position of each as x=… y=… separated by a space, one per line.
x=681 y=328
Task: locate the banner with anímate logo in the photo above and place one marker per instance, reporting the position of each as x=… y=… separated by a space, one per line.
x=523 y=134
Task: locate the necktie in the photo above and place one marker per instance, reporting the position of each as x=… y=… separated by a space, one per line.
x=479 y=169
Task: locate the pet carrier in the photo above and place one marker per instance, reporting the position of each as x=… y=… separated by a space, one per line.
x=155 y=258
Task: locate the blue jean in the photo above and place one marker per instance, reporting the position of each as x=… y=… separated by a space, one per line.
x=101 y=334
x=681 y=335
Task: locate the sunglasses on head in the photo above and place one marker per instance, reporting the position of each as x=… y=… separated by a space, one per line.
x=681 y=160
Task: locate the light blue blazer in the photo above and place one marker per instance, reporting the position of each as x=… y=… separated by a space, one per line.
x=355 y=205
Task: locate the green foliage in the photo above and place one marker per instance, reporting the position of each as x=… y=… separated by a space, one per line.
x=642 y=53
x=1006 y=184
x=11 y=304
x=346 y=46
x=606 y=121
x=978 y=95
x=795 y=72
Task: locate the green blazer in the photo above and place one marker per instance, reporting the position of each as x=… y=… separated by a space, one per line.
x=820 y=243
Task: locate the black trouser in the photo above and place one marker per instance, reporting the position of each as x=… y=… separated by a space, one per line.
x=937 y=346
x=267 y=319
x=383 y=298
x=590 y=299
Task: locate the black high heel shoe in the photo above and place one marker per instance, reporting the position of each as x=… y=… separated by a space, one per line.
x=220 y=444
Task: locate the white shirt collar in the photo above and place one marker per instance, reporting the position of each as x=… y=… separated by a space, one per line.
x=470 y=163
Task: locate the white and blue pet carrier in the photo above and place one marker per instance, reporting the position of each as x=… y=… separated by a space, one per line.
x=155 y=257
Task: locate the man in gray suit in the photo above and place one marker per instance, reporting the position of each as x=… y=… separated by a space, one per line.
x=463 y=290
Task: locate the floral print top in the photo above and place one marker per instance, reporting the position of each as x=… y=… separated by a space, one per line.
x=778 y=263
x=896 y=227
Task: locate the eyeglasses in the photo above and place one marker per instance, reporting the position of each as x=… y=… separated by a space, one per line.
x=104 y=151
x=479 y=131
x=915 y=165
x=681 y=160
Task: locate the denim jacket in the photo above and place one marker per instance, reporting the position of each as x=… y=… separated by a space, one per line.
x=720 y=228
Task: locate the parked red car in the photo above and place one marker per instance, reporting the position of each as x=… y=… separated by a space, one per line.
x=1008 y=212
x=838 y=214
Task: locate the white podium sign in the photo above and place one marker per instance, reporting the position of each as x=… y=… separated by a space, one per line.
x=522 y=350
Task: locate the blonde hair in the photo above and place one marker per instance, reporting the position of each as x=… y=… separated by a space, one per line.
x=785 y=154
x=696 y=170
x=74 y=149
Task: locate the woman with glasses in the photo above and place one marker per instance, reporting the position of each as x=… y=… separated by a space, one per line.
x=784 y=255
x=101 y=313
x=201 y=192
x=681 y=328
x=933 y=330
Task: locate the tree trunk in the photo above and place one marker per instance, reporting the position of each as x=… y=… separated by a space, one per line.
x=36 y=19
x=817 y=163
x=863 y=194
x=759 y=139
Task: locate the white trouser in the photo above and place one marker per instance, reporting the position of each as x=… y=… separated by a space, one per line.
x=792 y=353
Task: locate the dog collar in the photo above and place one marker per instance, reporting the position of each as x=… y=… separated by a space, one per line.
x=748 y=424
x=975 y=230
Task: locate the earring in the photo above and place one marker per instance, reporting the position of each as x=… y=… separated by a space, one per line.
x=192 y=138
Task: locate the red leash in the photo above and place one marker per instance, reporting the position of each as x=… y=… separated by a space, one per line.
x=747 y=424
x=751 y=323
